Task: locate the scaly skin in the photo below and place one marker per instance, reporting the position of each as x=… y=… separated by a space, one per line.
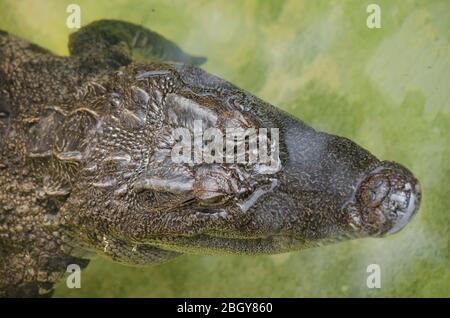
x=85 y=164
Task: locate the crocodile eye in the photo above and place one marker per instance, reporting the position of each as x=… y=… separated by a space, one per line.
x=373 y=190
x=211 y=191
x=213 y=199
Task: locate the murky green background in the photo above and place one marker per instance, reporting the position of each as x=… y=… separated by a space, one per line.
x=387 y=89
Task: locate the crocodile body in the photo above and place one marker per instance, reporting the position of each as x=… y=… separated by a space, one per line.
x=85 y=165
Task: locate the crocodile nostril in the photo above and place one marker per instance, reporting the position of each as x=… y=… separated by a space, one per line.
x=374 y=190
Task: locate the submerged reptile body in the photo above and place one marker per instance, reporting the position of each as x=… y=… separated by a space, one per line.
x=85 y=164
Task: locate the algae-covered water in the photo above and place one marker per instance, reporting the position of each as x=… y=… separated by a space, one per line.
x=388 y=89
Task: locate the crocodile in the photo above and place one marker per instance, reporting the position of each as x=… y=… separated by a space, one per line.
x=86 y=166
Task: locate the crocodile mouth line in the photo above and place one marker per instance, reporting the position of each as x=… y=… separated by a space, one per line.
x=217 y=245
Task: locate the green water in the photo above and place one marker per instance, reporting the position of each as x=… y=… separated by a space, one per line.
x=387 y=89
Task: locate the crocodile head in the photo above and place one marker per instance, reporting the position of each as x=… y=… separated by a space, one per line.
x=321 y=188
x=154 y=174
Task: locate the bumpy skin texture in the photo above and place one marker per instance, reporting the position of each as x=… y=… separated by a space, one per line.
x=85 y=164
